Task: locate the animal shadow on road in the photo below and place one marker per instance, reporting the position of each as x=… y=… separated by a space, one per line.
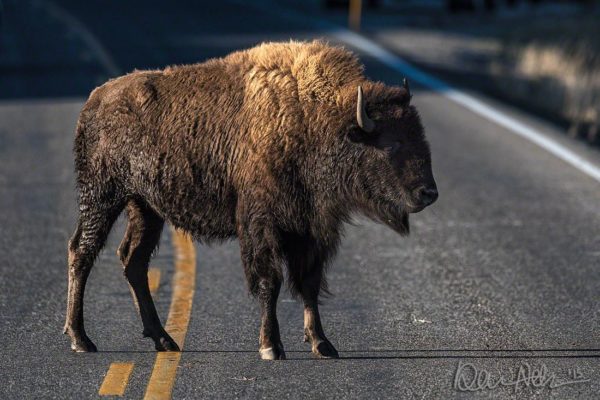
x=408 y=354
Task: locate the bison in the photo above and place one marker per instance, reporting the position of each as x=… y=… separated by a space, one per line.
x=277 y=146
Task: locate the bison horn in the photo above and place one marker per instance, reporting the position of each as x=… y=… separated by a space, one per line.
x=406 y=87
x=365 y=123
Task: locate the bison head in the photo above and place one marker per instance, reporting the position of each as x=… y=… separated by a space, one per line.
x=392 y=175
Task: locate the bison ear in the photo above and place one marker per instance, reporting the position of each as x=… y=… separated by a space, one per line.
x=357 y=135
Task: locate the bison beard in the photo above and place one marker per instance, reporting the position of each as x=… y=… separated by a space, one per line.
x=397 y=220
x=271 y=145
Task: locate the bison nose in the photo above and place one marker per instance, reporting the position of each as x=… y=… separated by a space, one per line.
x=428 y=195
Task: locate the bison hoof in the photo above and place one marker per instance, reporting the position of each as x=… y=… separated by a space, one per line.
x=83 y=345
x=166 y=343
x=272 y=353
x=325 y=349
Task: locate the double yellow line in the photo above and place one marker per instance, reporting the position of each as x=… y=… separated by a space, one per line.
x=164 y=372
x=163 y=375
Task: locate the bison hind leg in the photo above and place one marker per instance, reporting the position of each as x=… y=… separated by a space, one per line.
x=95 y=222
x=141 y=239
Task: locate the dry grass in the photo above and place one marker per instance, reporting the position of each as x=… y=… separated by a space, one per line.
x=557 y=66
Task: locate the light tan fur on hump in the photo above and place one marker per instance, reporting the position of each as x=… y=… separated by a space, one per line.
x=316 y=69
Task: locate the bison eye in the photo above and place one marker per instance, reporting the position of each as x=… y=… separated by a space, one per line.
x=395 y=147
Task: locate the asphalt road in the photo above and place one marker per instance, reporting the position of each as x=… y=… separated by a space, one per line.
x=502 y=272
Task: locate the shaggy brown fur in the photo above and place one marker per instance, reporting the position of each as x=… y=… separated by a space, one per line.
x=262 y=145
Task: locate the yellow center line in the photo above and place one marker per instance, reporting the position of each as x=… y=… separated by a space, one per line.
x=164 y=372
x=153 y=280
x=116 y=379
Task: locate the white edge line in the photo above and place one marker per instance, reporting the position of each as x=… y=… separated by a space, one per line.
x=107 y=62
x=478 y=107
x=393 y=61
x=471 y=103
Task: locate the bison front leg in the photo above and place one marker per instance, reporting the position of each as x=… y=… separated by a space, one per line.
x=258 y=245
x=270 y=346
x=313 y=330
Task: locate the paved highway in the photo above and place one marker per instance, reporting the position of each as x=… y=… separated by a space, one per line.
x=503 y=272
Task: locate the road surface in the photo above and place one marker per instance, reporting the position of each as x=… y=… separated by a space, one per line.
x=502 y=272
